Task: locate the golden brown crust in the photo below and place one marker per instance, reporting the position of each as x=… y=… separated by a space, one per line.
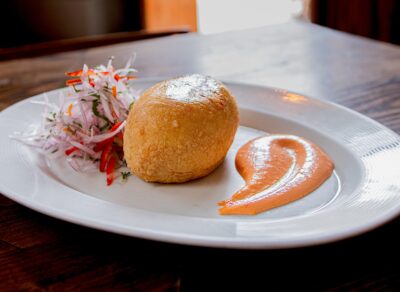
x=182 y=136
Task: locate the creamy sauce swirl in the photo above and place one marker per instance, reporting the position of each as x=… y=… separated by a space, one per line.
x=277 y=169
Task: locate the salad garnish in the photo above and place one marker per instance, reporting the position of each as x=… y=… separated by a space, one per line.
x=86 y=126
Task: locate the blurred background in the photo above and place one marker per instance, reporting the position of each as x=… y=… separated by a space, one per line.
x=32 y=27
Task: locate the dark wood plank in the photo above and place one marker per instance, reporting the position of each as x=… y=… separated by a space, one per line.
x=4 y=201
x=40 y=49
x=88 y=258
x=38 y=252
x=91 y=262
x=6 y=248
x=24 y=228
x=351 y=264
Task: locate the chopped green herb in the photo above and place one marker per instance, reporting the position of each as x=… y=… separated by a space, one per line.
x=75 y=89
x=51 y=117
x=96 y=112
x=105 y=127
x=77 y=123
x=125 y=174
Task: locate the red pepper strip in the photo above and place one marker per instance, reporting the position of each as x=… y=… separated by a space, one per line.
x=70 y=151
x=114 y=91
x=74 y=73
x=101 y=145
x=104 y=156
x=116 y=125
x=73 y=81
x=91 y=82
x=118 y=77
x=119 y=135
x=78 y=73
x=110 y=169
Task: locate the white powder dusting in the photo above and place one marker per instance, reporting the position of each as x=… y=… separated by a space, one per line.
x=192 y=88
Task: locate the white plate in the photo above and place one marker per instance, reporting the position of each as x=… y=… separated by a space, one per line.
x=363 y=193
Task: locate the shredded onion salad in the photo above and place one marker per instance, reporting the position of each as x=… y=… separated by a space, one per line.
x=87 y=125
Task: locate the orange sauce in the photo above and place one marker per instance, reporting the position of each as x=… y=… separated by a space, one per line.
x=277 y=169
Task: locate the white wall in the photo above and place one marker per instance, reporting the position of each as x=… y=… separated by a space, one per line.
x=223 y=15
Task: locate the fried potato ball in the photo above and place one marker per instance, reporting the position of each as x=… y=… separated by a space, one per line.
x=180 y=129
